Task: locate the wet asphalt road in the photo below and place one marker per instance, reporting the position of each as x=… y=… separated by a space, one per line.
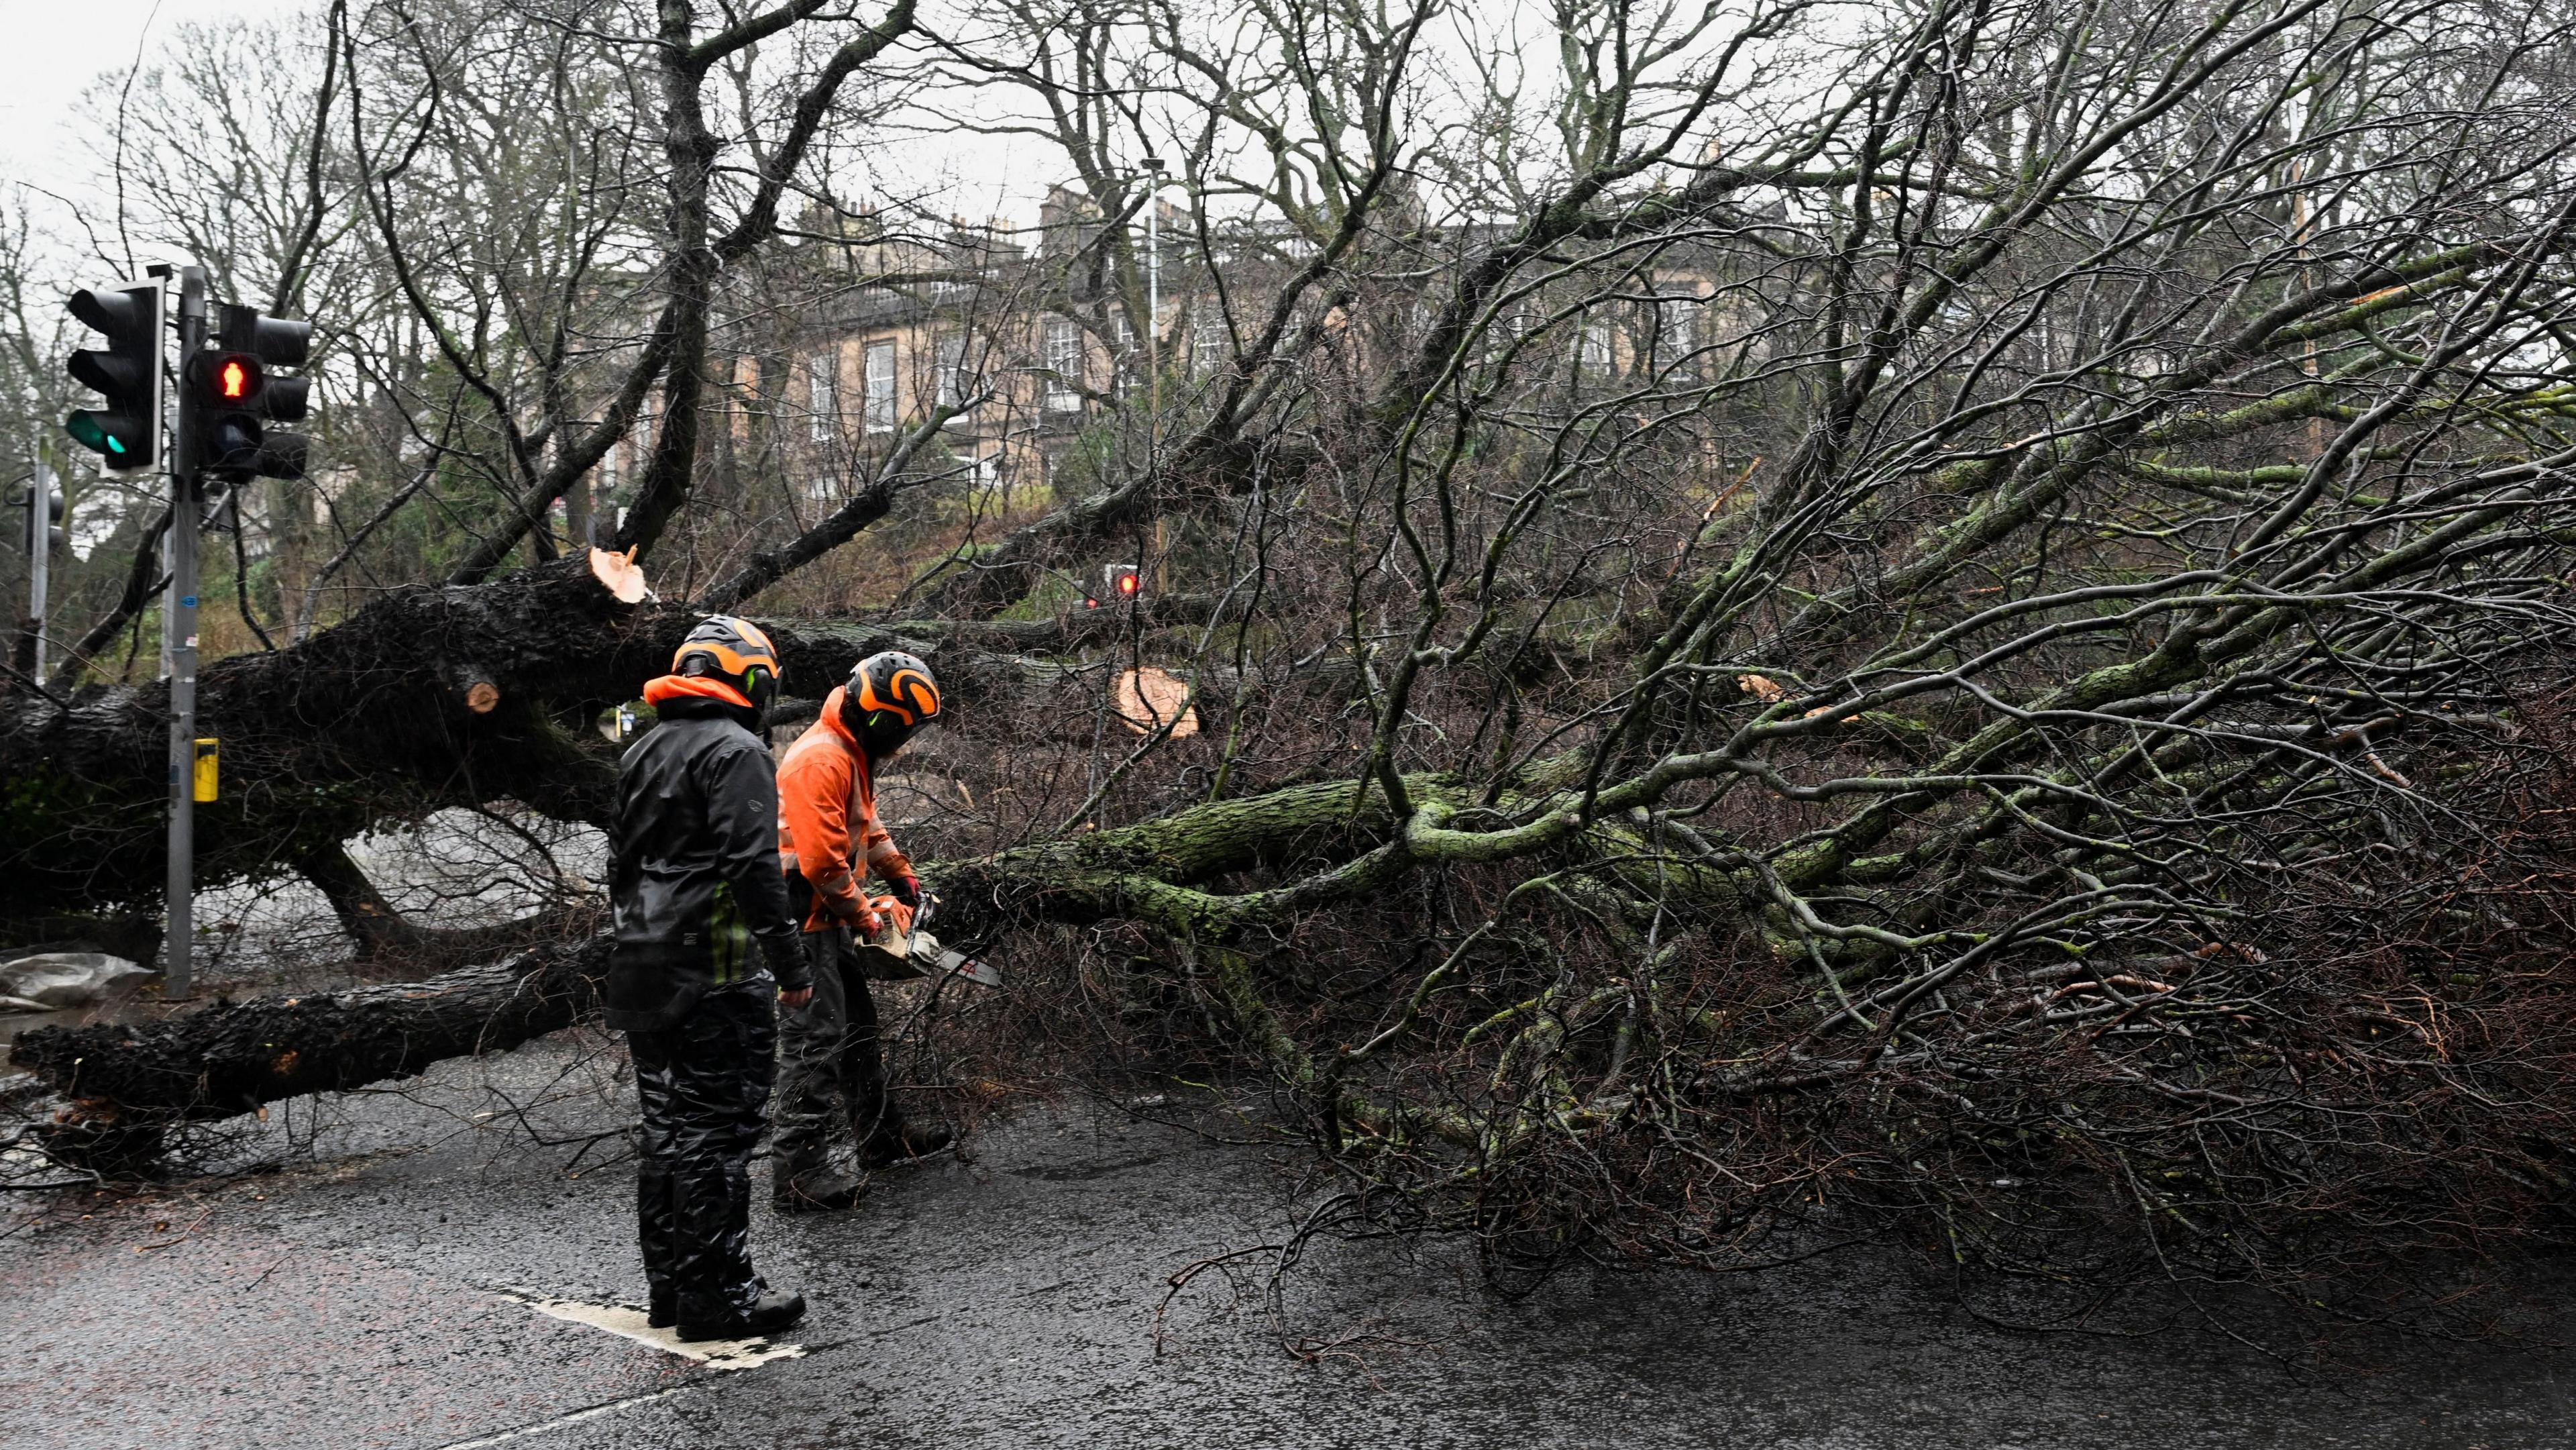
x=375 y=1293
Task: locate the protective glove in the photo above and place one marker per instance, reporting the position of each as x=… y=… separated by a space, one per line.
x=895 y=910
x=907 y=889
x=863 y=921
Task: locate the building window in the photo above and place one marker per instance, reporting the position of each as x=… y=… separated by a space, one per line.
x=1210 y=343
x=1063 y=363
x=880 y=383
x=823 y=397
x=1677 y=324
x=953 y=388
x=1129 y=352
x=1503 y=330
x=1600 y=349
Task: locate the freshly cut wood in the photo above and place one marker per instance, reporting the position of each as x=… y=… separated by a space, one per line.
x=619 y=574
x=474 y=686
x=1147 y=699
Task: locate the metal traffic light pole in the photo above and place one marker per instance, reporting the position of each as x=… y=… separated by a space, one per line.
x=180 y=610
x=40 y=555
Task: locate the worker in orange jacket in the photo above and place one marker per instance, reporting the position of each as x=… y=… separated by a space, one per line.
x=829 y=840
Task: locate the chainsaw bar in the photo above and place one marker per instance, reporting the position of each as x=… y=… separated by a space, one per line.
x=904 y=957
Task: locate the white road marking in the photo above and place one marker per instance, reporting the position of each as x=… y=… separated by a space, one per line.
x=560 y=1421
x=629 y=1323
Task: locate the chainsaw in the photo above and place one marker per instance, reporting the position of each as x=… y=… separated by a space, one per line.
x=909 y=956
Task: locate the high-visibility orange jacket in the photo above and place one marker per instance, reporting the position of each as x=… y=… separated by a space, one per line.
x=827 y=820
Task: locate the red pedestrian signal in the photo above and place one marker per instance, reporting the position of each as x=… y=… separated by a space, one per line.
x=232 y=398
x=232 y=378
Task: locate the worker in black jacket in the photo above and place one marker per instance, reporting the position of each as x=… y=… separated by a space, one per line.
x=696 y=887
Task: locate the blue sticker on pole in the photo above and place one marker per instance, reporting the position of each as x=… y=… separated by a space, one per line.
x=188 y=600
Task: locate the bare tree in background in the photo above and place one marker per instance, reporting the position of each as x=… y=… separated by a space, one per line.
x=1799 y=622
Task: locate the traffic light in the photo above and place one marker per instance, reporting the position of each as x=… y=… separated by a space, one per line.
x=1117 y=582
x=234 y=393
x=126 y=429
x=44 y=515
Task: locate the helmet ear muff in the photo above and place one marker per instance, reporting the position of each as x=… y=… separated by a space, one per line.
x=884 y=732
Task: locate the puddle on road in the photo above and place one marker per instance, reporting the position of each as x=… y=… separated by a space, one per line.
x=628 y=1322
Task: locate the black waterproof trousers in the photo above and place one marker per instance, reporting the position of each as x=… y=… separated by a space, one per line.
x=704 y=1085
x=830 y=1062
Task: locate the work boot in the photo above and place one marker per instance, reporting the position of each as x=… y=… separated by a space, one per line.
x=896 y=1140
x=816 y=1190
x=769 y=1314
x=665 y=1310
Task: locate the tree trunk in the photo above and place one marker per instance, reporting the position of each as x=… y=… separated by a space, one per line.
x=383 y=934
x=127 y=1082
x=429 y=697
x=234 y=1056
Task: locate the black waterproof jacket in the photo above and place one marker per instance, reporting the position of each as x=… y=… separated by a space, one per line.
x=695 y=873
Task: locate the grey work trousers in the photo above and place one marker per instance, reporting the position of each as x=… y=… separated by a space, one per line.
x=829 y=1062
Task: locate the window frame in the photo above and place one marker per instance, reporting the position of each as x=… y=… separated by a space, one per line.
x=1680 y=311
x=948 y=361
x=823 y=396
x=1060 y=343
x=883 y=404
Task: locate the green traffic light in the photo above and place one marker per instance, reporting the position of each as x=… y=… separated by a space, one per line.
x=95 y=434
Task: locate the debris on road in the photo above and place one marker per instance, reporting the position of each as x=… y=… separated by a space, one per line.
x=48 y=981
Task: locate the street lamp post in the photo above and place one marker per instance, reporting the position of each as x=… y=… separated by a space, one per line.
x=1154 y=285
x=1154 y=343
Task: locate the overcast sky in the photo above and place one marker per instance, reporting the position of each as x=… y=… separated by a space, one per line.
x=57 y=47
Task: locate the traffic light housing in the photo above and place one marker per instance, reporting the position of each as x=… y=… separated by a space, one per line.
x=44 y=515
x=1118 y=582
x=235 y=392
x=125 y=429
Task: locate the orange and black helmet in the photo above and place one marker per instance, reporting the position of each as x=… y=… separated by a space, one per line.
x=889 y=696
x=731 y=652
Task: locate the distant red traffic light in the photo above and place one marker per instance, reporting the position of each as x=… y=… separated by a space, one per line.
x=1117 y=581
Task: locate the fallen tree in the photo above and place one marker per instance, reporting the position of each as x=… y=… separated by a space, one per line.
x=431 y=696
x=235 y=1056
x=2038 y=724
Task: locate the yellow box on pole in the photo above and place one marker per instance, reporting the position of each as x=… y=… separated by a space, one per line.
x=205 y=770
